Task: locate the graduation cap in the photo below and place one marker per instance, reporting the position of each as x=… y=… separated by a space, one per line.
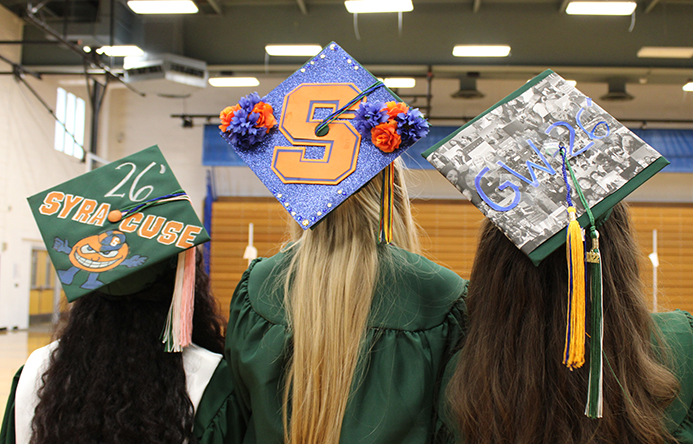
x=544 y=158
x=118 y=228
x=321 y=134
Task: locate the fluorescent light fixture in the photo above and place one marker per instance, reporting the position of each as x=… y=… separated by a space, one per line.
x=120 y=51
x=293 y=50
x=233 y=81
x=600 y=8
x=688 y=86
x=666 y=52
x=163 y=6
x=370 y=6
x=400 y=82
x=481 y=51
x=571 y=82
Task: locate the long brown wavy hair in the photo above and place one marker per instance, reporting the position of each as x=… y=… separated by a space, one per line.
x=510 y=385
x=109 y=380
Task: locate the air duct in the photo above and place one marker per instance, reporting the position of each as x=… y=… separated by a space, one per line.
x=617 y=92
x=165 y=74
x=468 y=88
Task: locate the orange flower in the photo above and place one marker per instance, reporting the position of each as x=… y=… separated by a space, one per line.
x=266 y=118
x=385 y=136
x=394 y=108
x=226 y=115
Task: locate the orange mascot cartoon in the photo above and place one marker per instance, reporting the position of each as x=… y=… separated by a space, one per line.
x=96 y=254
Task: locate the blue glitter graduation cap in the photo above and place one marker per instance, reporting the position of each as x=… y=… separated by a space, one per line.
x=322 y=134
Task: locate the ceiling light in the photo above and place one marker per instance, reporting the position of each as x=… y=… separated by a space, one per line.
x=571 y=82
x=233 y=81
x=400 y=82
x=163 y=6
x=120 y=51
x=481 y=51
x=293 y=50
x=688 y=86
x=666 y=52
x=369 y=6
x=600 y=8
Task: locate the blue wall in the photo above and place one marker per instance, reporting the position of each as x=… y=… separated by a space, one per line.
x=675 y=145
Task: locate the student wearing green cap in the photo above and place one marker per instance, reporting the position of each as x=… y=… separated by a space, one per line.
x=561 y=347
x=112 y=376
x=343 y=336
x=510 y=384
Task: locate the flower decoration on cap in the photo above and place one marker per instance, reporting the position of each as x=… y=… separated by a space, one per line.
x=247 y=122
x=390 y=124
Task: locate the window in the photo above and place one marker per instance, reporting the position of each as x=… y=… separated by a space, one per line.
x=69 y=127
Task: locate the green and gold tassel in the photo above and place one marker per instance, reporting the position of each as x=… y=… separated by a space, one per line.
x=595 y=396
x=386 y=204
x=595 y=392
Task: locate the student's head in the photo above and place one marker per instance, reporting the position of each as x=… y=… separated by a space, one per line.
x=510 y=384
x=110 y=375
x=452 y=175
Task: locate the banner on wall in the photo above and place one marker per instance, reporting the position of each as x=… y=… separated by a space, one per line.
x=675 y=145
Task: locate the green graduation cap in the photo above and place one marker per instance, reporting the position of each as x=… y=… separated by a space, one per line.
x=115 y=229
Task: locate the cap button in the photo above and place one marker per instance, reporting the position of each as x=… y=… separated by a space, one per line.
x=115 y=216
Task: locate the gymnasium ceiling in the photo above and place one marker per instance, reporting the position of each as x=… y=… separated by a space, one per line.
x=230 y=36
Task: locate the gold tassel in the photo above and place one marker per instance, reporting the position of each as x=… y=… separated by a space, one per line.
x=574 y=351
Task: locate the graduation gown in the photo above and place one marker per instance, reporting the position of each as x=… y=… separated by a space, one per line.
x=417 y=320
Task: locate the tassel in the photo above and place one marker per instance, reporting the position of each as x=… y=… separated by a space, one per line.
x=574 y=351
x=386 y=204
x=177 y=333
x=188 y=298
x=595 y=395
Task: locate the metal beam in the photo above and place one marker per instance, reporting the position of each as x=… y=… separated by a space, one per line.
x=30 y=42
x=651 y=5
x=89 y=60
x=215 y=5
x=564 y=5
x=302 y=6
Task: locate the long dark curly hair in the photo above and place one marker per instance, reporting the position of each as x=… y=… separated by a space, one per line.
x=109 y=379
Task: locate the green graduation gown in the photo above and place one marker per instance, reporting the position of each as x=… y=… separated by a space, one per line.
x=417 y=319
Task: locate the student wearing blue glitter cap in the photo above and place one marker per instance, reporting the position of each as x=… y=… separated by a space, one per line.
x=343 y=336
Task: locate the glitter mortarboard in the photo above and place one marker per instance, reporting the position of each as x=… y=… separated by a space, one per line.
x=545 y=158
x=116 y=228
x=310 y=174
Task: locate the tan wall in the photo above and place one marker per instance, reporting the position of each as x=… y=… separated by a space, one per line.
x=449 y=237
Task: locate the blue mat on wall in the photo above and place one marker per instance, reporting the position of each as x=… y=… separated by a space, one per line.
x=675 y=145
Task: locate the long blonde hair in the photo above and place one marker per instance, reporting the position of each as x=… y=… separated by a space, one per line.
x=328 y=292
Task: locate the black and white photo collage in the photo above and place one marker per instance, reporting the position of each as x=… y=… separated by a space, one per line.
x=512 y=151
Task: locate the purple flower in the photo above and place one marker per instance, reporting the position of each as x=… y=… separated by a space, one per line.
x=248 y=102
x=411 y=126
x=242 y=131
x=368 y=116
